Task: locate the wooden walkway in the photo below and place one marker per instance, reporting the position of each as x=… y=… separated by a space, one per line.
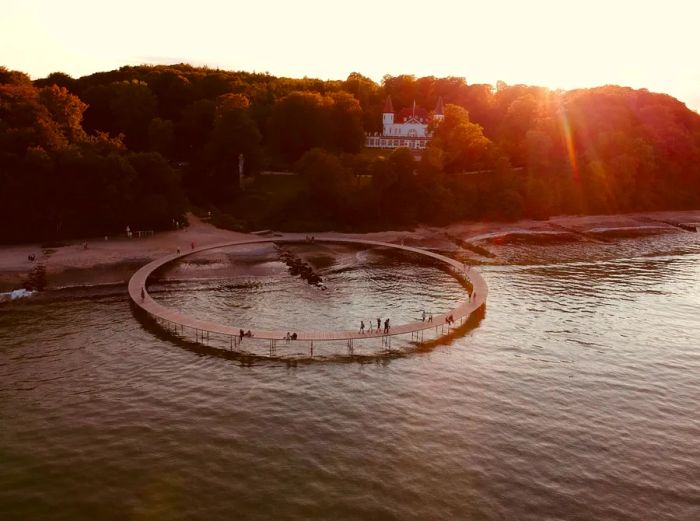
x=202 y=328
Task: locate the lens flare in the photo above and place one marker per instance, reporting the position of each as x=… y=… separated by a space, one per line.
x=569 y=142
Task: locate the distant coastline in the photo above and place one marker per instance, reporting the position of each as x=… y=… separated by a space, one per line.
x=112 y=262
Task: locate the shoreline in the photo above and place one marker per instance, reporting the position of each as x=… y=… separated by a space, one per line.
x=112 y=262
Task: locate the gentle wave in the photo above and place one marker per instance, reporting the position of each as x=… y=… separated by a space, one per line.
x=575 y=398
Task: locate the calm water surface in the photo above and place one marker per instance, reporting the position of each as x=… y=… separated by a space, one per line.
x=576 y=397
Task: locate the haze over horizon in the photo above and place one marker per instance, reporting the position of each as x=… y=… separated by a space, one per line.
x=542 y=43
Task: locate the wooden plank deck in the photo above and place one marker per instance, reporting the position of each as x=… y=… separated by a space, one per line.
x=140 y=297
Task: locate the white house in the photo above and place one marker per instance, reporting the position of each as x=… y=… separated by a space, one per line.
x=408 y=129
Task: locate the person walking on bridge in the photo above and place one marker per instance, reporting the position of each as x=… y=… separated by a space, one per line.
x=362 y=327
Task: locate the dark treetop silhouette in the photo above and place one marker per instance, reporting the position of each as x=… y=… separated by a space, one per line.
x=88 y=156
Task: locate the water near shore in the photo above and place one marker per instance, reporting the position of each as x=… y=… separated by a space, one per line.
x=576 y=397
x=251 y=287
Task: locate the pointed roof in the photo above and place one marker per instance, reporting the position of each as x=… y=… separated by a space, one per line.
x=388 y=107
x=440 y=109
x=412 y=115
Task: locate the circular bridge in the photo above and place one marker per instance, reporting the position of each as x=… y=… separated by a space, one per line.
x=201 y=330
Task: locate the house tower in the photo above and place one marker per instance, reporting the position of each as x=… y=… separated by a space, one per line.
x=388 y=115
x=439 y=110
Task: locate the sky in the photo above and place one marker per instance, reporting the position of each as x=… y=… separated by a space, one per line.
x=555 y=43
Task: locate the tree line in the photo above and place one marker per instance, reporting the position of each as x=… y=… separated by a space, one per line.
x=134 y=146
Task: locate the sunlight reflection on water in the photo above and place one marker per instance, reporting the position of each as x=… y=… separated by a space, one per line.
x=575 y=398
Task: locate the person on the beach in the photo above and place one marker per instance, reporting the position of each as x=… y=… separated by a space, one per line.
x=241 y=334
x=294 y=336
x=386 y=326
x=287 y=337
x=430 y=318
x=423 y=318
x=362 y=327
x=379 y=324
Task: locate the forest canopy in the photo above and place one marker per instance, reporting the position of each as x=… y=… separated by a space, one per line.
x=136 y=146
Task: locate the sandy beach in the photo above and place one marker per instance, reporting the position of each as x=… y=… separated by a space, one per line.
x=113 y=261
